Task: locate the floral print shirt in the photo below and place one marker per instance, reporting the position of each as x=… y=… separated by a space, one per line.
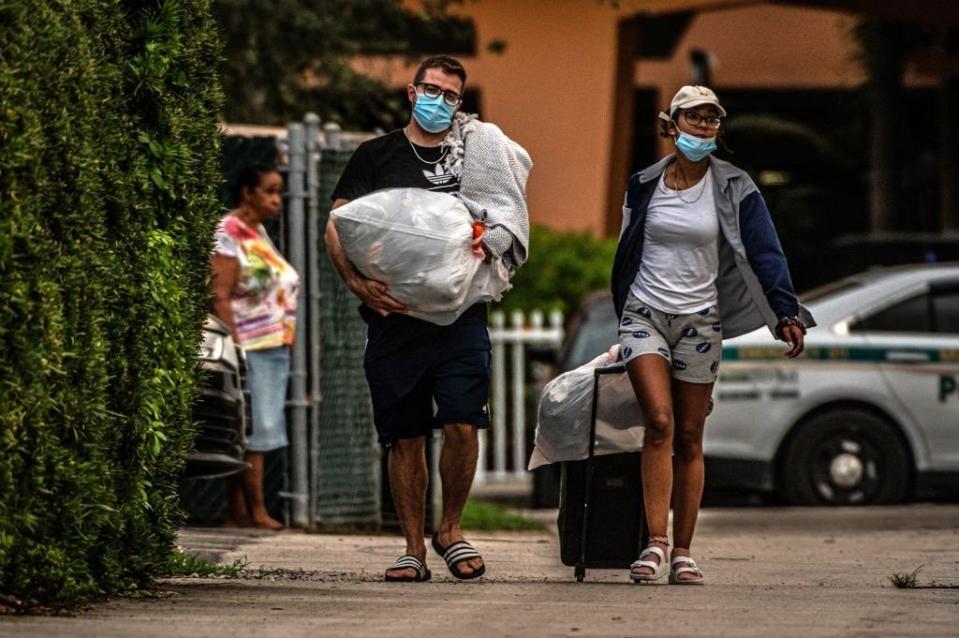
x=264 y=298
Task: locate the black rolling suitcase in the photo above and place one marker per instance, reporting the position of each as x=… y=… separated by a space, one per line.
x=602 y=524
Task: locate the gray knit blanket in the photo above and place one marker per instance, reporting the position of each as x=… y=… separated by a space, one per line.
x=493 y=170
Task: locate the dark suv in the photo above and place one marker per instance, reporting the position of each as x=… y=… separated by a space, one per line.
x=221 y=410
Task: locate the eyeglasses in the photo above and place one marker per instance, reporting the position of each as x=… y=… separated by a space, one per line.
x=695 y=119
x=431 y=90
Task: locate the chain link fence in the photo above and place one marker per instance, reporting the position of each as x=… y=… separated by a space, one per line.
x=347 y=476
x=330 y=474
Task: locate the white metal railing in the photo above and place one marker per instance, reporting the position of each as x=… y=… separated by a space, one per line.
x=508 y=427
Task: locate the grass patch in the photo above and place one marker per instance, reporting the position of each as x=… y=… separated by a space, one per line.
x=187 y=565
x=903 y=580
x=491 y=517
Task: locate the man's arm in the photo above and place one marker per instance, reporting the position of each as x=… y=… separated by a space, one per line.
x=373 y=293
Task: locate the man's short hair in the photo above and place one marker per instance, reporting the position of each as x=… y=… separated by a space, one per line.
x=448 y=65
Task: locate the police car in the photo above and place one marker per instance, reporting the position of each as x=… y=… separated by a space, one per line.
x=869 y=413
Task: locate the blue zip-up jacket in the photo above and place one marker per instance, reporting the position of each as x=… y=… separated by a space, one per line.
x=753 y=282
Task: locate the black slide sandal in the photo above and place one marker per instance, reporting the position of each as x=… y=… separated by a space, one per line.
x=409 y=562
x=457 y=553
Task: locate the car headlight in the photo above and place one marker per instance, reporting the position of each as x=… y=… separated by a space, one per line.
x=212 y=347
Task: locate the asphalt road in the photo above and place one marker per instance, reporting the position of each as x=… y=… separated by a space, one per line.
x=770 y=571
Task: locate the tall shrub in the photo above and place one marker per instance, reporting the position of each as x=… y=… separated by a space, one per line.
x=562 y=268
x=108 y=180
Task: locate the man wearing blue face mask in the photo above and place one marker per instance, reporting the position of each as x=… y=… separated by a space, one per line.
x=424 y=376
x=698 y=261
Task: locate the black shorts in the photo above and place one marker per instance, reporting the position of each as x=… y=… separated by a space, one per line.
x=412 y=365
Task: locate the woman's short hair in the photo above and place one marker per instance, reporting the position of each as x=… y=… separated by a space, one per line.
x=249 y=177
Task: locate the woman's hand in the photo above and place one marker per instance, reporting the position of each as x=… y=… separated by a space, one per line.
x=794 y=337
x=792 y=331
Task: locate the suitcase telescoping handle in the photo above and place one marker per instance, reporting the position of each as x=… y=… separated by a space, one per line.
x=616 y=368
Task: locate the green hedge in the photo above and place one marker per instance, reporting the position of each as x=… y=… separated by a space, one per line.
x=562 y=267
x=108 y=181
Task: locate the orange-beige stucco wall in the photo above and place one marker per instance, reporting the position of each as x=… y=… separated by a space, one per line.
x=553 y=88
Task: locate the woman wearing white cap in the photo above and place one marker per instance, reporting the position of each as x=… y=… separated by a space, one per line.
x=698 y=261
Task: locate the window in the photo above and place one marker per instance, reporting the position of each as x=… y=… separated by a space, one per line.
x=936 y=311
x=945 y=310
x=911 y=315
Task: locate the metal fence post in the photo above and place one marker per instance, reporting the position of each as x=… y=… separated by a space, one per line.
x=556 y=323
x=297 y=401
x=313 y=235
x=331 y=134
x=519 y=395
x=499 y=400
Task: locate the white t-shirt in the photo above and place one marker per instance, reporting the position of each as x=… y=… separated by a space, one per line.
x=680 y=249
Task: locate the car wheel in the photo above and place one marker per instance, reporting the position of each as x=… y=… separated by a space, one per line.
x=845 y=457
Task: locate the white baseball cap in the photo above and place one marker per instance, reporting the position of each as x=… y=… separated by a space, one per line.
x=691 y=95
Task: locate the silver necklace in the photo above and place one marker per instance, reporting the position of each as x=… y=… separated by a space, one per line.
x=413 y=147
x=678 y=191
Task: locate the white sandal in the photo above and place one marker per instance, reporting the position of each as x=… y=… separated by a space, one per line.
x=659 y=570
x=689 y=568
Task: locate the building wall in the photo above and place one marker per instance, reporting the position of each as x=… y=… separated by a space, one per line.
x=553 y=88
x=762 y=47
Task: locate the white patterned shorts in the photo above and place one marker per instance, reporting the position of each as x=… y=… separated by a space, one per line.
x=692 y=344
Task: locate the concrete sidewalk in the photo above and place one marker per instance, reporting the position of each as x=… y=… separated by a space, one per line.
x=785 y=572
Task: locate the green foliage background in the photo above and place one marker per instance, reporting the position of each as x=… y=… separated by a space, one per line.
x=562 y=267
x=284 y=57
x=108 y=178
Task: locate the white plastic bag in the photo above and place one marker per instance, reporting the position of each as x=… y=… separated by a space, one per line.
x=565 y=410
x=418 y=243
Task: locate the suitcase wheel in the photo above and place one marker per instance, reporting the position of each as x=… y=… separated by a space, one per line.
x=580 y=573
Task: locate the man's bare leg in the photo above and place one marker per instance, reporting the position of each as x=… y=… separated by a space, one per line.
x=408 y=476
x=457 y=467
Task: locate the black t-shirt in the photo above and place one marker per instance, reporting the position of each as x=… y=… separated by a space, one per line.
x=392 y=161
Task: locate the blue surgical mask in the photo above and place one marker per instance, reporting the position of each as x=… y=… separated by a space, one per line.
x=433 y=113
x=695 y=148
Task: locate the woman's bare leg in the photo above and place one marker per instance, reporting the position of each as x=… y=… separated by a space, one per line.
x=253 y=486
x=690 y=402
x=236 y=502
x=650 y=378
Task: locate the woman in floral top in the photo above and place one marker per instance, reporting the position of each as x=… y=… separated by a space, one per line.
x=255 y=295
